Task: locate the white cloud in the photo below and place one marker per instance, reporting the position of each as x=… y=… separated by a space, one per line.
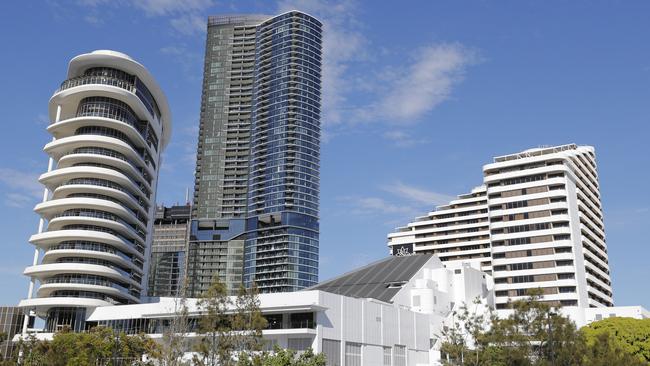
x=93 y=19
x=92 y=3
x=403 y=139
x=15 y=199
x=42 y=119
x=24 y=188
x=190 y=62
x=427 y=82
x=18 y=180
x=418 y=195
x=187 y=16
x=383 y=211
x=403 y=203
x=376 y=205
x=181 y=153
x=361 y=85
x=170 y=7
x=189 y=24
x=173 y=50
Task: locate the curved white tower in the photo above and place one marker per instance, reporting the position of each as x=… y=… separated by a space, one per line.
x=110 y=123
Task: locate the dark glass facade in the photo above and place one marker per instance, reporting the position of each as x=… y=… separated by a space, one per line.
x=11 y=322
x=216 y=249
x=259 y=143
x=281 y=252
x=168 y=251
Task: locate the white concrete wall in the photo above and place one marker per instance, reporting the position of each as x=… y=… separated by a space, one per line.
x=375 y=325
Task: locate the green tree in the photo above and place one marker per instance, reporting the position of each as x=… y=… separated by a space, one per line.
x=100 y=346
x=285 y=357
x=173 y=343
x=631 y=336
x=459 y=341
x=534 y=334
x=231 y=330
x=248 y=322
x=217 y=344
x=30 y=352
x=604 y=350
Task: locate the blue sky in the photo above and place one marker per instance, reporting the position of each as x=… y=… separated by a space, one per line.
x=417 y=97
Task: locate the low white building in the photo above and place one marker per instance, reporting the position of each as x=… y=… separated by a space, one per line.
x=387 y=313
x=584 y=316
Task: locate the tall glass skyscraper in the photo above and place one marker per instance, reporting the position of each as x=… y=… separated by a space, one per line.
x=257 y=175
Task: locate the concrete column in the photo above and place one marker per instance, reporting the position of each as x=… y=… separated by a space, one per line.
x=41 y=226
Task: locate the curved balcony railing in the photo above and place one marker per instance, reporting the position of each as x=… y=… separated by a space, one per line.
x=95 y=79
x=92 y=246
x=108 y=184
x=101 y=215
x=110 y=153
x=111 y=132
x=88 y=280
x=138 y=246
x=86 y=295
x=135 y=86
x=101 y=151
x=140 y=185
x=98 y=262
x=142 y=219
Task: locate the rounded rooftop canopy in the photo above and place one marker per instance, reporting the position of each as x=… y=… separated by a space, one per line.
x=124 y=62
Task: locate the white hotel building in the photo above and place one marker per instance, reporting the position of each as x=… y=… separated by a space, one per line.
x=110 y=122
x=536 y=222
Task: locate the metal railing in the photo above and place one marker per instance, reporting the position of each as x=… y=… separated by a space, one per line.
x=96 y=79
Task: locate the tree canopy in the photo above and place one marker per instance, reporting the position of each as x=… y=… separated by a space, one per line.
x=284 y=357
x=100 y=346
x=537 y=334
x=630 y=335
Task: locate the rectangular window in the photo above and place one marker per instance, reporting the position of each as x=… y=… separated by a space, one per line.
x=332 y=352
x=352 y=354
x=399 y=355
x=521 y=292
x=299 y=344
x=416 y=300
x=521 y=266
x=516 y=204
x=387 y=356
x=523 y=279
x=565 y=276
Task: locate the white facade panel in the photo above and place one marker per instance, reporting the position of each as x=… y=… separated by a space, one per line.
x=372 y=322
x=352 y=319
